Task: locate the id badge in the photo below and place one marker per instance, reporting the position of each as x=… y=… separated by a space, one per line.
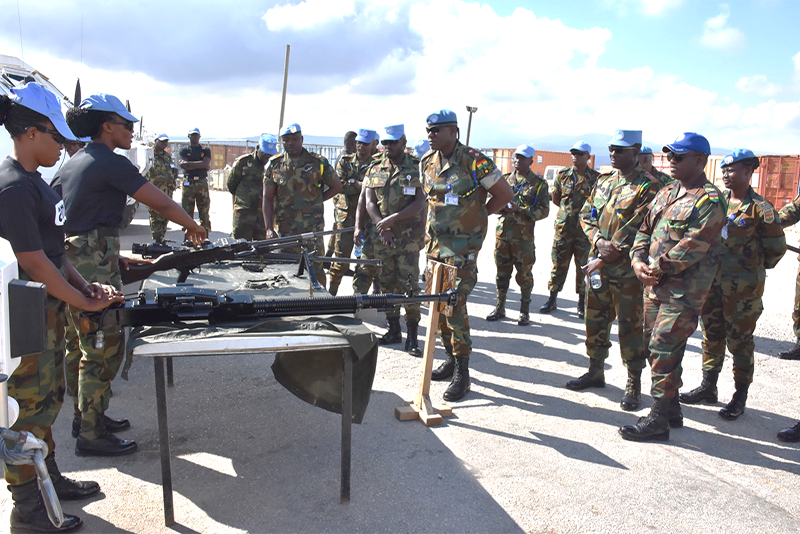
x=187 y=183
x=409 y=190
x=451 y=199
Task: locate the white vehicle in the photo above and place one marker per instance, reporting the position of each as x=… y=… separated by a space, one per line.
x=550 y=174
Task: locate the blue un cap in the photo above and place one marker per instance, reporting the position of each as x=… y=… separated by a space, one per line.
x=106 y=102
x=443 y=116
x=366 y=136
x=422 y=147
x=626 y=138
x=394 y=133
x=688 y=142
x=268 y=144
x=193 y=131
x=525 y=150
x=38 y=98
x=162 y=137
x=737 y=155
x=581 y=146
x=645 y=150
x=291 y=129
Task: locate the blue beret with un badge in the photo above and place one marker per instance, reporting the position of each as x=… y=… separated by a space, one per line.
x=394 y=132
x=737 y=155
x=268 y=144
x=291 y=129
x=443 y=116
x=626 y=138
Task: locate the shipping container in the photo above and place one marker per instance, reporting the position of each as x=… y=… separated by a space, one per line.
x=503 y=158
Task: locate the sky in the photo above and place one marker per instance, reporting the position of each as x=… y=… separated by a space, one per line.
x=536 y=68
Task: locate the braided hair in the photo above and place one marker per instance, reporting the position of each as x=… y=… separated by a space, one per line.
x=18 y=118
x=87 y=122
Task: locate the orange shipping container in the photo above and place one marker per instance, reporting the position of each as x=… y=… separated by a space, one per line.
x=503 y=158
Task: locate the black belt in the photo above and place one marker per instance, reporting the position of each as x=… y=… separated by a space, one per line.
x=102 y=231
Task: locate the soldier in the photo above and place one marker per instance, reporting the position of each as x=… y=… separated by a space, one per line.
x=570 y=190
x=610 y=219
x=195 y=160
x=514 y=245
x=457 y=180
x=752 y=241
x=162 y=175
x=349 y=143
x=350 y=170
x=646 y=161
x=394 y=203
x=675 y=256
x=421 y=148
x=365 y=237
x=246 y=184
x=789 y=215
x=296 y=183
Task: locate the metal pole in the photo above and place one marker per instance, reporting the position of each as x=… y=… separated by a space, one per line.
x=471 y=109
x=283 y=97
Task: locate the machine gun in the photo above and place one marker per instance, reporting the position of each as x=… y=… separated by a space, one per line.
x=185 y=302
x=185 y=258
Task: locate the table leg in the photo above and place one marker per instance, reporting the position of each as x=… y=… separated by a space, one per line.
x=163 y=441
x=170 y=381
x=347 y=422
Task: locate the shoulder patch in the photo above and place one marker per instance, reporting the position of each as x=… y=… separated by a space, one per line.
x=766 y=207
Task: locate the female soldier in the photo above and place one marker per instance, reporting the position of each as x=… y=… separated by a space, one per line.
x=32 y=219
x=95 y=185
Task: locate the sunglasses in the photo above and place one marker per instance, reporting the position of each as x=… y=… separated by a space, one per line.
x=433 y=129
x=620 y=149
x=677 y=158
x=389 y=142
x=56 y=136
x=127 y=124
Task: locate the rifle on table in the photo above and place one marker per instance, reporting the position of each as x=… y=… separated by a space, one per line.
x=793 y=249
x=185 y=259
x=188 y=303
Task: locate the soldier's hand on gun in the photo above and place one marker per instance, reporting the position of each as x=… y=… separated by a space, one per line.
x=645 y=274
x=608 y=250
x=196 y=234
x=96 y=291
x=272 y=234
x=125 y=262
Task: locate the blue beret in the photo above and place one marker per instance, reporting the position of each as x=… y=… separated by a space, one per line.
x=582 y=146
x=737 y=155
x=268 y=144
x=525 y=150
x=395 y=132
x=38 y=98
x=291 y=129
x=443 y=116
x=422 y=147
x=645 y=150
x=626 y=138
x=366 y=136
x=688 y=142
x=104 y=102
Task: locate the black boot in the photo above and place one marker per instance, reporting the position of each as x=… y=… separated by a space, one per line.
x=112 y=425
x=459 y=386
x=445 y=370
x=107 y=444
x=675 y=413
x=581 y=305
x=705 y=392
x=66 y=488
x=394 y=335
x=595 y=378
x=29 y=513
x=499 y=311
x=633 y=391
x=791 y=354
x=524 y=313
x=550 y=305
x=791 y=434
x=411 y=339
x=735 y=407
x=653 y=427
x=376 y=287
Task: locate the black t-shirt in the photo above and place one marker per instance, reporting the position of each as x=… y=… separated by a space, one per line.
x=95 y=185
x=31 y=214
x=196 y=153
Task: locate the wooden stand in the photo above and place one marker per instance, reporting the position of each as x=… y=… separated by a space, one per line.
x=441 y=278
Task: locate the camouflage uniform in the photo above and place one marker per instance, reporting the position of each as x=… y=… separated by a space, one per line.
x=195 y=191
x=401 y=262
x=614 y=211
x=455 y=232
x=569 y=240
x=162 y=175
x=790 y=215
x=299 y=186
x=682 y=235
x=514 y=243
x=95 y=256
x=752 y=242
x=351 y=173
x=662 y=177
x=246 y=184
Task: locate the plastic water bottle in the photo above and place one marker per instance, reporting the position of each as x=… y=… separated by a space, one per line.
x=595 y=280
x=359 y=248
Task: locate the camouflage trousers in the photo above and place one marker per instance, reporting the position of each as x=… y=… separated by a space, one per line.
x=96 y=258
x=342 y=248
x=454 y=331
x=248 y=223
x=730 y=317
x=667 y=327
x=514 y=254
x=400 y=268
x=197 y=193
x=366 y=274
x=38 y=386
x=796 y=312
x=619 y=298
x=564 y=249
x=158 y=223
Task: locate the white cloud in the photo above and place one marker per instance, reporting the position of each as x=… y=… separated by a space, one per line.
x=307 y=13
x=717 y=34
x=657 y=7
x=758 y=85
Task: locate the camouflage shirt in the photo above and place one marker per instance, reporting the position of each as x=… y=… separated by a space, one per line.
x=532 y=197
x=682 y=235
x=662 y=177
x=300 y=183
x=162 y=173
x=246 y=181
x=752 y=241
x=456 y=190
x=574 y=191
x=615 y=210
x=395 y=188
x=350 y=171
x=790 y=213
